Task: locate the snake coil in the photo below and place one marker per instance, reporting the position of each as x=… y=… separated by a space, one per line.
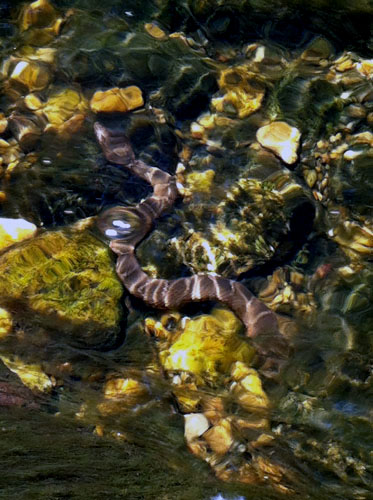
x=126 y=227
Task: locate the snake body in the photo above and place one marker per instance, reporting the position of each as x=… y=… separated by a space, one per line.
x=126 y=227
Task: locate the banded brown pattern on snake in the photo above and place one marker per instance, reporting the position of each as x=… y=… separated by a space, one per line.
x=126 y=227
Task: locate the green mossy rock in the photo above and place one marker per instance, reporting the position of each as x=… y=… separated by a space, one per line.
x=64 y=280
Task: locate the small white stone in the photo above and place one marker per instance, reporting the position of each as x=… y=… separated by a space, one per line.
x=259 y=54
x=195 y=424
x=13 y=230
x=280 y=138
x=351 y=155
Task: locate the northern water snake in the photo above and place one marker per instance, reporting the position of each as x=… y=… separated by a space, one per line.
x=126 y=227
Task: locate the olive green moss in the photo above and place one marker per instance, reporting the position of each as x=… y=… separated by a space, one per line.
x=68 y=279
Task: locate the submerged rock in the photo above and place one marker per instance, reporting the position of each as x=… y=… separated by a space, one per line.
x=355 y=239
x=117 y=100
x=6 y=323
x=195 y=424
x=64 y=280
x=14 y=230
x=25 y=130
x=31 y=375
x=207 y=346
x=13 y=393
x=121 y=394
x=246 y=227
x=65 y=110
x=3 y=123
x=280 y=138
x=31 y=74
x=225 y=407
x=242 y=92
x=155 y=31
x=37 y=14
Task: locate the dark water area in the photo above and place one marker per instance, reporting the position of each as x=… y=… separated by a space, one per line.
x=263 y=113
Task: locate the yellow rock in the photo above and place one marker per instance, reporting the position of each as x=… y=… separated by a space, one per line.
x=365 y=67
x=197 y=131
x=10 y=154
x=195 y=424
x=208 y=345
x=363 y=138
x=219 y=437
x=243 y=103
x=123 y=387
x=353 y=237
x=13 y=230
x=65 y=110
x=37 y=14
x=188 y=397
x=242 y=92
x=31 y=74
x=116 y=100
x=33 y=102
x=122 y=394
x=155 y=31
x=69 y=127
x=31 y=375
x=44 y=54
x=239 y=370
x=311 y=177
x=280 y=138
x=263 y=440
x=5 y=323
x=213 y=408
x=63 y=105
x=252 y=383
x=249 y=392
x=200 y=182
x=3 y=123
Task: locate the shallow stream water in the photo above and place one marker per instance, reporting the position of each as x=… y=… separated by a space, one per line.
x=95 y=386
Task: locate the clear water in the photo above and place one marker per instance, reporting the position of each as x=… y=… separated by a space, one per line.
x=321 y=418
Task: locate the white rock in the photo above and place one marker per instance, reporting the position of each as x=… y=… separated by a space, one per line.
x=13 y=230
x=280 y=138
x=195 y=424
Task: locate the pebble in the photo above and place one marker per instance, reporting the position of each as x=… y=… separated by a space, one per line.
x=155 y=31
x=3 y=123
x=32 y=75
x=351 y=155
x=14 y=230
x=37 y=14
x=117 y=100
x=5 y=323
x=219 y=437
x=32 y=375
x=281 y=139
x=119 y=387
x=195 y=424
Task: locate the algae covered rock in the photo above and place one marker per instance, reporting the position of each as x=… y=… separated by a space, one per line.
x=242 y=93
x=225 y=407
x=64 y=280
x=208 y=346
x=245 y=227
